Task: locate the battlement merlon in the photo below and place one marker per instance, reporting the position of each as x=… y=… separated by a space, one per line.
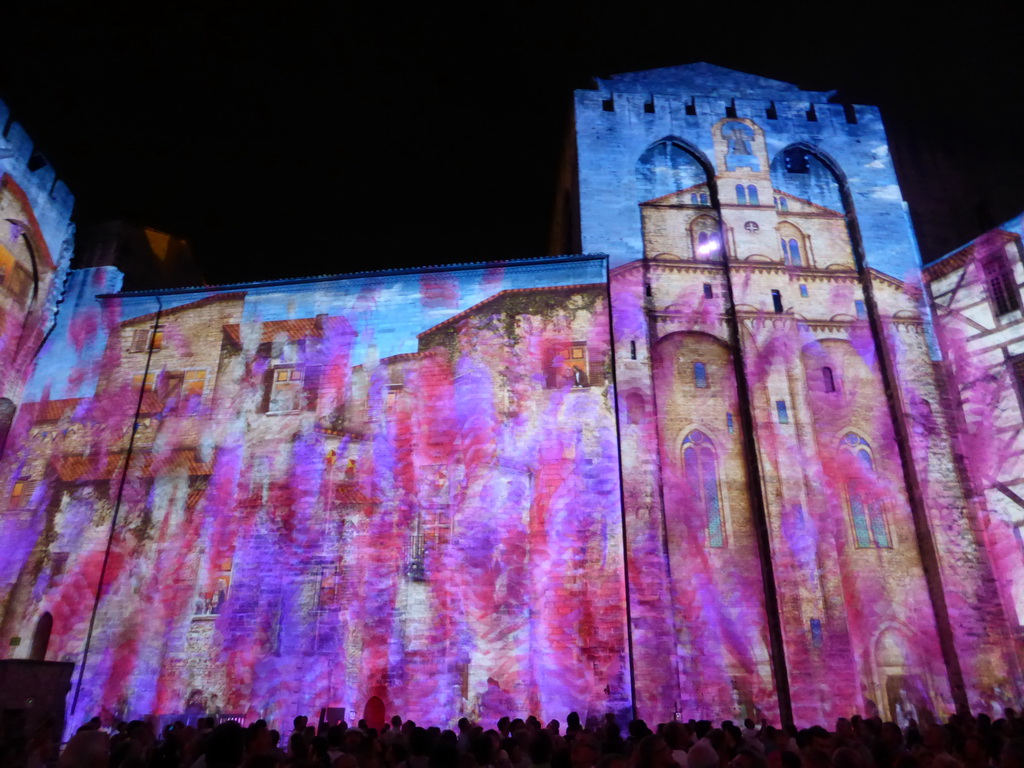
x=50 y=198
x=627 y=114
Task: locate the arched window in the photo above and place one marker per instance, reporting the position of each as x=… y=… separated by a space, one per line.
x=706 y=242
x=700 y=376
x=866 y=510
x=794 y=245
x=752 y=195
x=794 y=253
x=783 y=204
x=828 y=379
x=741 y=194
x=693 y=198
x=702 y=477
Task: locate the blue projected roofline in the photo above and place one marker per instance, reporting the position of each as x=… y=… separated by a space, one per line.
x=459 y=267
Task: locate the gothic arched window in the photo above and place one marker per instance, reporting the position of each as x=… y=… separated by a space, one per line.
x=741 y=194
x=702 y=477
x=794 y=253
x=752 y=195
x=706 y=241
x=866 y=510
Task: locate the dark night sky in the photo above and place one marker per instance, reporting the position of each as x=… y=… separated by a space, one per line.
x=292 y=140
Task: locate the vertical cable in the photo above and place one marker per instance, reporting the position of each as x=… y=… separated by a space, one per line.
x=117 y=506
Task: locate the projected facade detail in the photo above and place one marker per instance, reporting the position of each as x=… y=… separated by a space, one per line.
x=444 y=488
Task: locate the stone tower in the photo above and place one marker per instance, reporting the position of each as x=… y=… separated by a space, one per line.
x=798 y=537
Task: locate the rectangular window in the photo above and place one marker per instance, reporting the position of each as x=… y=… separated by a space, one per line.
x=728 y=423
x=647 y=289
x=803 y=291
x=780 y=407
x=20 y=493
x=1017 y=370
x=860 y=309
x=817 y=637
x=777 y=301
x=141 y=337
x=1002 y=287
x=709 y=292
x=632 y=350
x=150 y=381
x=286 y=389
x=195 y=381
x=140 y=340
x=700 y=376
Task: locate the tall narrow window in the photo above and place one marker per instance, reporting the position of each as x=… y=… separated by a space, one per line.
x=741 y=194
x=752 y=195
x=860 y=309
x=828 y=379
x=693 y=198
x=1001 y=285
x=729 y=423
x=777 y=301
x=784 y=243
x=794 y=253
x=783 y=412
x=700 y=376
x=704 y=198
x=702 y=477
x=783 y=204
x=709 y=292
x=632 y=350
x=868 y=516
x=803 y=291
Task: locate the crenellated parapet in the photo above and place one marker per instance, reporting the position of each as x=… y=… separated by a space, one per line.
x=37 y=241
x=625 y=115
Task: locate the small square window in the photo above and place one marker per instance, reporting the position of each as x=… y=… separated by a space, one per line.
x=780 y=407
x=803 y=291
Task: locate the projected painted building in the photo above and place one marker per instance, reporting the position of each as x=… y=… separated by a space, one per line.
x=710 y=473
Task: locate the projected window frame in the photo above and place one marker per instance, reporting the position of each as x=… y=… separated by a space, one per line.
x=1001 y=287
x=286 y=389
x=700 y=469
x=574 y=365
x=867 y=518
x=15 y=278
x=705 y=239
x=185 y=390
x=141 y=338
x=21 y=492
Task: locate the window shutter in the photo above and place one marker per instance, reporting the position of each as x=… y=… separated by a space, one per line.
x=268 y=385
x=595 y=375
x=311 y=385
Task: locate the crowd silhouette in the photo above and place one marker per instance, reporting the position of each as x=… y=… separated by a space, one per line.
x=963 y=741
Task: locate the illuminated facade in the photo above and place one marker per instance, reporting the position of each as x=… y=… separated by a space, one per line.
x=708 y=473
